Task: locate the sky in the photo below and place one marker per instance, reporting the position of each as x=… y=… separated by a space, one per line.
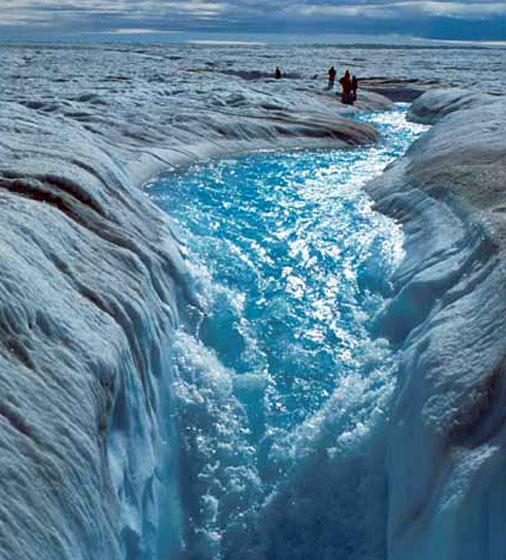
x=173 y=19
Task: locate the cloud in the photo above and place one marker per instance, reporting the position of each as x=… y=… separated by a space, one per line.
x=396 y=10
x=477 y=10
x=397 y=16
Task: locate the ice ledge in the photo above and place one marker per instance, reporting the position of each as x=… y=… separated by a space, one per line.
x=447 y=436
x=433 y=105
x=89 y=295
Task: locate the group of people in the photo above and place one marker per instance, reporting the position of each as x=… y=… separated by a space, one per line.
x=349 y=84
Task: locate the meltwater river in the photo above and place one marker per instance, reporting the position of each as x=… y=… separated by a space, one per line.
x=281 y=388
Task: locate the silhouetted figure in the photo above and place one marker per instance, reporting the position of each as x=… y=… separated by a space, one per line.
x=354 y=87
x=277 y=73
x=346 y=93
x=332 y=77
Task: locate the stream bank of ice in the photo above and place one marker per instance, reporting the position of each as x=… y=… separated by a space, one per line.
x=447 y=438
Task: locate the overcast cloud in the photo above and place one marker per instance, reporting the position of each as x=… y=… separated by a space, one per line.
x=452 y=19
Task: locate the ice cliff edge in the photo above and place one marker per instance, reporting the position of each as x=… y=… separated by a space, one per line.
x=89 y=293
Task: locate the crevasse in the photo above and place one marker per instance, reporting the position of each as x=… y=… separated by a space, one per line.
x=278 y=378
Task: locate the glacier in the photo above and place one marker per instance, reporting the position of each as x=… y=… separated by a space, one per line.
x=95 y=284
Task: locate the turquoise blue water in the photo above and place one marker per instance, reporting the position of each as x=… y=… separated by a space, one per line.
x=290 y=264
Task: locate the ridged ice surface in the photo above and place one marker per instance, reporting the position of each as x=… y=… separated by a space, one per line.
x=290 y=264
x=447 y=438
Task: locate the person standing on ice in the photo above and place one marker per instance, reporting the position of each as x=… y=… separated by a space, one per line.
x=346 y=93
x=332 y=77
x=277 y=73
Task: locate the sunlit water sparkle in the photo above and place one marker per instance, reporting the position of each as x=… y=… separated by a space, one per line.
x=290 y=264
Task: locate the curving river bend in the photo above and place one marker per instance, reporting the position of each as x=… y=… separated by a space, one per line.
x=282 y=387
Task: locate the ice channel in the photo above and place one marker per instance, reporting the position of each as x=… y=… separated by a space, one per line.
x=282 y=387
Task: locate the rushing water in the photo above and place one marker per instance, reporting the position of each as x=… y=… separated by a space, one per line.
x=279 y=381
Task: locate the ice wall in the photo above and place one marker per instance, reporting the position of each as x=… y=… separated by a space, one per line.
x=447 y=436
x=89 y=294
